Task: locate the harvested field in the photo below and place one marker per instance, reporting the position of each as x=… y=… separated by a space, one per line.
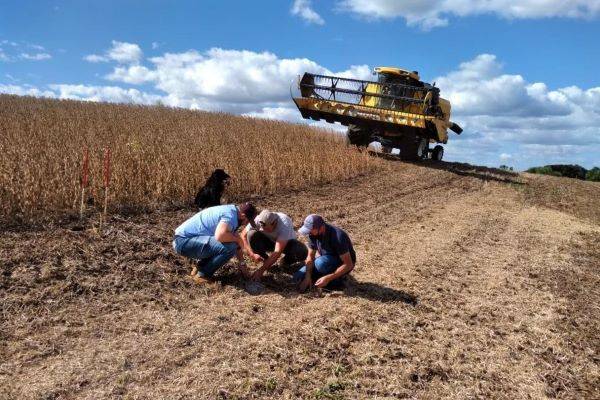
x=470 y=283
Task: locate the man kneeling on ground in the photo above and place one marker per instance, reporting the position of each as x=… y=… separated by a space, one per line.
x=336 y=255
x=273 y=232
x=210 y=238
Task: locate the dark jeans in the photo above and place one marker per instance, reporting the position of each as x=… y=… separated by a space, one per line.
x=208 y=251
x=260 y=243
x=324 y=265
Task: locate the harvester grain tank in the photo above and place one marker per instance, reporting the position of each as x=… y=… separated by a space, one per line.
x=398 y=110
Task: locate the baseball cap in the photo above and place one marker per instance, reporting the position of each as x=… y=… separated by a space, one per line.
x=266 y=217
x=313 y=221
x=249 y=210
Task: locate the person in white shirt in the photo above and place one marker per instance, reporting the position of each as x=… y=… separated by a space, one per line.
x=274 y=233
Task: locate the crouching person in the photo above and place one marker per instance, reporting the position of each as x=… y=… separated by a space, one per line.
x=336 y=255
x=272 y=232
x=210 y=238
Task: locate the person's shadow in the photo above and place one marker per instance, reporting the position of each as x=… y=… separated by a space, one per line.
x=376 y=292
x=279 y=280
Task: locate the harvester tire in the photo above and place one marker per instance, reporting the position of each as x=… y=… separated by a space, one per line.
x=437 y=153
x=413 y=148
x=358 y=136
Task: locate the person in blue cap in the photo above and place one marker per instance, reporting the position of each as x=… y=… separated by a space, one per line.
x=336 y=256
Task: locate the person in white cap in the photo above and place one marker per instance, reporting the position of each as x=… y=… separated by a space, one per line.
x=336 y=254
x=272 y=232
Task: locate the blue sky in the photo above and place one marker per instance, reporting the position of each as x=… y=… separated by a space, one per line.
x=522 y=76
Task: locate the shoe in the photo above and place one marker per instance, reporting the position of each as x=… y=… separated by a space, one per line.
x=200 y=280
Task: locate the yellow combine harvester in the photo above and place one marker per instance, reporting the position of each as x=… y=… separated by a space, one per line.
x=398 y=111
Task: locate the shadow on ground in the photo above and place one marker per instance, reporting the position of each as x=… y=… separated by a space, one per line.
x=280 y=282
x=376 y=292
x=462 y=169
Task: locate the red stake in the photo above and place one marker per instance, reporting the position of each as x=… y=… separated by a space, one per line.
x=84 y=179
x=106 y=168
x=106 y=176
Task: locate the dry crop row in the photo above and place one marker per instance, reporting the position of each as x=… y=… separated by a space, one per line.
x=159 y=155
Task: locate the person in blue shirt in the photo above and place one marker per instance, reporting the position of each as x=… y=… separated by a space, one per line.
x=336 y=254
x=210 y=238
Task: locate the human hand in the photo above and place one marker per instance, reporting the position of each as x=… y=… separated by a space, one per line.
x=305 y=284
x=256 y=257
x=258 y=274
x=245 y=271
x=323 y=281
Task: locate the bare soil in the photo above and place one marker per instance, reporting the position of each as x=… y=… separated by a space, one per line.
x=470 y=283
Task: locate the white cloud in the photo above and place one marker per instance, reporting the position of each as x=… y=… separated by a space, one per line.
x=225 y=78
x=95 y=58
x=112 y=94
x=35 y=57
x=19 y=51
x=434 y=13
x=121 y=52
x=134 y=74
x=303 y=9
x=125 y=53
x=478 y=87
x=278 y=113
x=505 y=114
x=25 y=90
x=155 y=45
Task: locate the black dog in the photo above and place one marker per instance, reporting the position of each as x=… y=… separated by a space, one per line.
x=210 y=194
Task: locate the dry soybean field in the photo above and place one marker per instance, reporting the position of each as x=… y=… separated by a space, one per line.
x=470 y=283
x=158 y=156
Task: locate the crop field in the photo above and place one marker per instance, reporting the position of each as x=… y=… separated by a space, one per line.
x=470 y=282
x=158 y=156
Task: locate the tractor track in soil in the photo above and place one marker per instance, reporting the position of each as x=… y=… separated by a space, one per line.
x=470 y=283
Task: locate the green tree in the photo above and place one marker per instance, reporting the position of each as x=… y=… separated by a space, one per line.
x=593 y=175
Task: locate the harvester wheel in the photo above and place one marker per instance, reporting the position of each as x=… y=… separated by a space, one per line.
x=358 y=136
x=414 y=148
x=437 y=153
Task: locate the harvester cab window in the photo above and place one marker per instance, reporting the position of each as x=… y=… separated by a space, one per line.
x=384 y=78
x=397 y=79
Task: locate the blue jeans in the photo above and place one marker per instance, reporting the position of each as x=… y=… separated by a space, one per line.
x=324 y=265
x=208 y=251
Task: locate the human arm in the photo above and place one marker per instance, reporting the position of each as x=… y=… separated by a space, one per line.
x=272 y=259
x=247 y=247
x=242 y=264
x=224 y=234
x=310 y=264
x=346 y=267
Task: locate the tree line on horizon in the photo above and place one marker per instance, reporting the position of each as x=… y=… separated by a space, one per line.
x=568 y=171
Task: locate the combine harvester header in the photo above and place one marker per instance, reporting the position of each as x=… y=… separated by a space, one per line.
x=398 y=110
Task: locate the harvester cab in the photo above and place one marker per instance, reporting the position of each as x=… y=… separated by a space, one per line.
x=397 y=110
